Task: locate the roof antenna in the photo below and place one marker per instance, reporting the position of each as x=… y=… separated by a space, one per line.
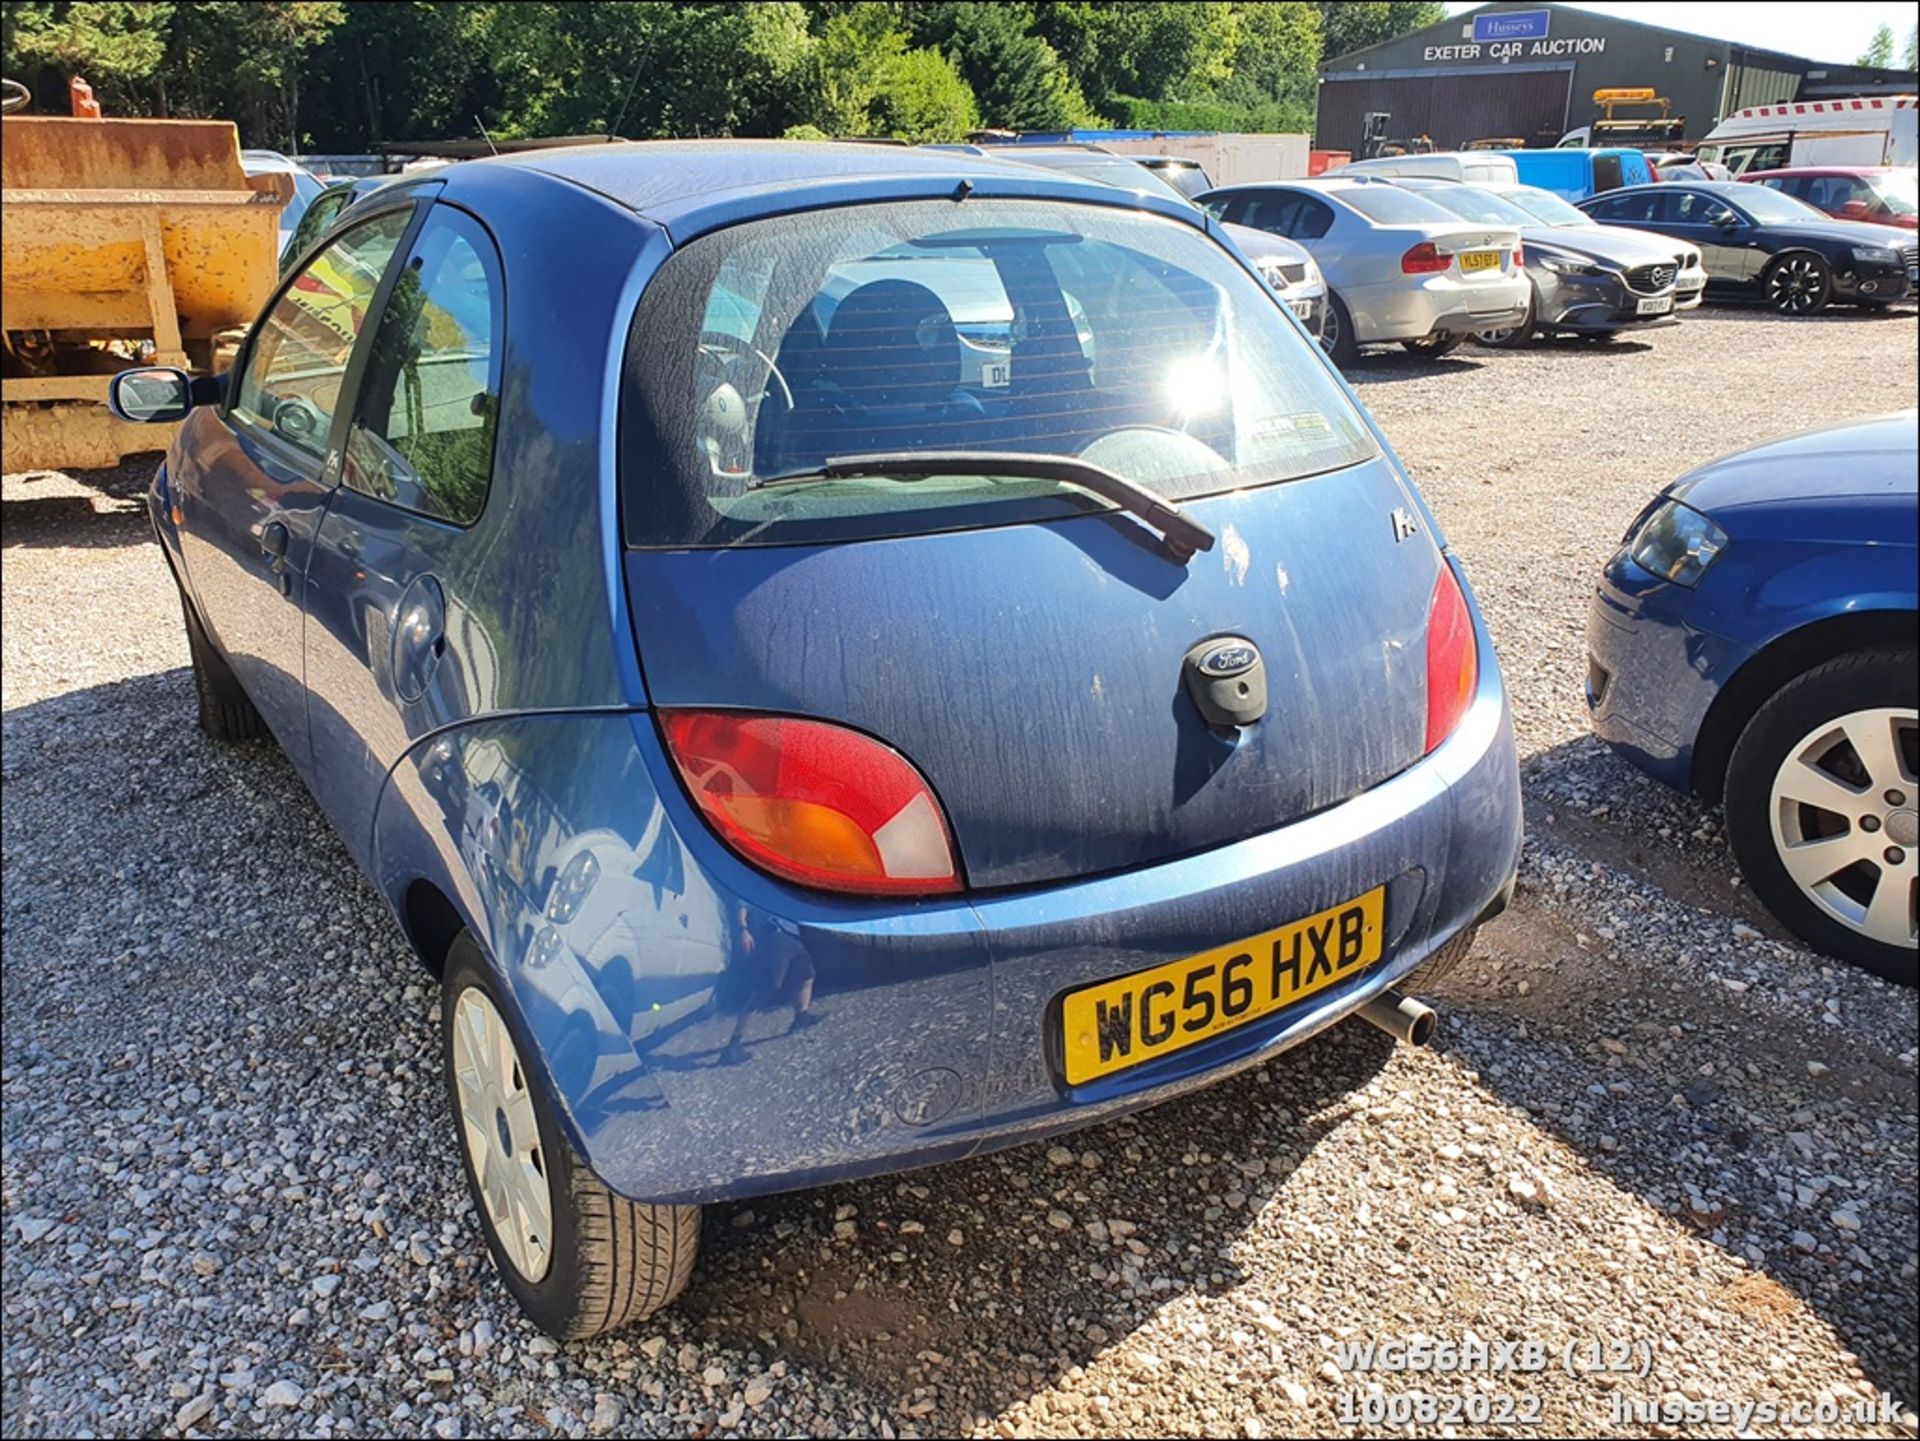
x=484 y=136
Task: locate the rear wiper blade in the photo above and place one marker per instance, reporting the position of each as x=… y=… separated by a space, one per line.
x=1183 y=534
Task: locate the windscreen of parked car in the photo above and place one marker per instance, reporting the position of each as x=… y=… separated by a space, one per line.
x=1133 y=342
x=1898 y=192
x=1389 y=205
x=1185 y=176
x=1545 y=207
x=1116 y=170
x=1770 y=207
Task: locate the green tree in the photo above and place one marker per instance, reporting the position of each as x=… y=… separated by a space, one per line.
x=1912 y=61
x=114 y=46
x=1275 y=63
x=923 y=98
x=1152 y=51
x=244 y=60
x=1017 y=78
x=1879 y=51
x=1349 y=25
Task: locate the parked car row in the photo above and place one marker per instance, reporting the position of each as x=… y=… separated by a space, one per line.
x=796 y=707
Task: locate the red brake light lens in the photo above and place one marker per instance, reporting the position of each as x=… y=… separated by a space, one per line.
x=1519 y=255
x=1453 y=664
x=1426 y=258
x=813 y=803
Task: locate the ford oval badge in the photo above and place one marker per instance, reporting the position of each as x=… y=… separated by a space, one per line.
x=1228 y=657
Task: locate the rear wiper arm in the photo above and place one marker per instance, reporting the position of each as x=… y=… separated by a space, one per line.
x=1181 y=532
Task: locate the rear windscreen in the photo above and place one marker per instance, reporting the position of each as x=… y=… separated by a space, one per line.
x=1389 y=205
x=1130 y=341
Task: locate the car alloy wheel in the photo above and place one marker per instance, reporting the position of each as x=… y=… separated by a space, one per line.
x=1797 y=284
x=1845 y=808
x=501 y=1134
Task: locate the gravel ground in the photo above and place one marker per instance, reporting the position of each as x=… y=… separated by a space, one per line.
x=232 y=1202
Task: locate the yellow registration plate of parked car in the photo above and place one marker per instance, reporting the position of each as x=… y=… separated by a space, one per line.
x=1153 y=1013
x=1479 y=260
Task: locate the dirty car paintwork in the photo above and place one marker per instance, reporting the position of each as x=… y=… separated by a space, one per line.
x=708 y=1030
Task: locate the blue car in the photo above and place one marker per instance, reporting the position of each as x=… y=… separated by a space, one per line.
x=1753 y=640
x=802 y=748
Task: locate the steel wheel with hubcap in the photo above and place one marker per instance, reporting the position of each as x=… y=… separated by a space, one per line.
x=1823 y=809
x=501 y=1134
x=578 y=1257
x=1798 y=284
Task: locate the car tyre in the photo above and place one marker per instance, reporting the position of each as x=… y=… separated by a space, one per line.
x=1432 y=346
x=1797 y=781
x=1798 y=283
x=225 y=712
x=1336 y=333
x=1443 y=962
x=1517 y=338
x=600 y=1261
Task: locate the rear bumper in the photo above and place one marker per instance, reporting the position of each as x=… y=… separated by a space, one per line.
x=713 y=1034
x=1414 y=309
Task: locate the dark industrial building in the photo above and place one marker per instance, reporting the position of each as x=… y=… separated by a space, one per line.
x=1527 y=73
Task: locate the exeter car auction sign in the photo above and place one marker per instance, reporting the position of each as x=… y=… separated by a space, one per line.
x=1514 y=35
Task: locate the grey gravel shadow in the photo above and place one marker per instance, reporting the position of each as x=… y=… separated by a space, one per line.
x=41 y=508
x=976 y=1285
x=1782 y=1098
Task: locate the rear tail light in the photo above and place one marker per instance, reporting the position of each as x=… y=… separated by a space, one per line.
x=1653 y=170
x=1519 y=255
x=1453 y=667
x=814 y=803
x=1426 y=258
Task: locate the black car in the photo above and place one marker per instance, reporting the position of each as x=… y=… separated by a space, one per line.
x=1758 y=243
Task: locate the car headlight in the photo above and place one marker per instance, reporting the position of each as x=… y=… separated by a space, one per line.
x=1676 y=543
x=1567 y=265
x=1875 y=255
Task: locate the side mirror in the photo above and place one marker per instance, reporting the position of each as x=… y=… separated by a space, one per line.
x=1856 y=210
x=1726 y=220
x=153 y=394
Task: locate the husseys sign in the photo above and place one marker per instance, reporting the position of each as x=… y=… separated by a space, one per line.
x=1515 y=35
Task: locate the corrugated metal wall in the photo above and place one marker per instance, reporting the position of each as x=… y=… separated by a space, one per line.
x=1452 y=109
x=1756 y=85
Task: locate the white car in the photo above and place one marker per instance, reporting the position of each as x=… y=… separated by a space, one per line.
x=1399 y=269
x=1689 y=281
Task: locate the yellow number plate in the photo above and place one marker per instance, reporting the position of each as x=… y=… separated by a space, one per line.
x=1480 y=260
x=1150 y=1014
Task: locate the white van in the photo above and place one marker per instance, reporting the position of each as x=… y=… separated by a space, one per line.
x=1468 y=166
x=1869 y=130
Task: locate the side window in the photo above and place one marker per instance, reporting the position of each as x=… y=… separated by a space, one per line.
x=1606 y=172
x=1229 y=208
x=1313 y=220
x=423 y=436
x=319 y=216
x=298 y=360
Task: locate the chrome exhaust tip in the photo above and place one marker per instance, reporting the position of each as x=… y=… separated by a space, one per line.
x=1401 y=1017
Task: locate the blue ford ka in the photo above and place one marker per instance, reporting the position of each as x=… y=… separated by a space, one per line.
x=840 y=657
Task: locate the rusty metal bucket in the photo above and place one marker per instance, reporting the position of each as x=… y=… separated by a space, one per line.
x=118 y=231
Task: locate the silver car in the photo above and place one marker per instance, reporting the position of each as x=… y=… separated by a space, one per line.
x=1288 y=268
x=1689 y=281
x=1399 y=268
